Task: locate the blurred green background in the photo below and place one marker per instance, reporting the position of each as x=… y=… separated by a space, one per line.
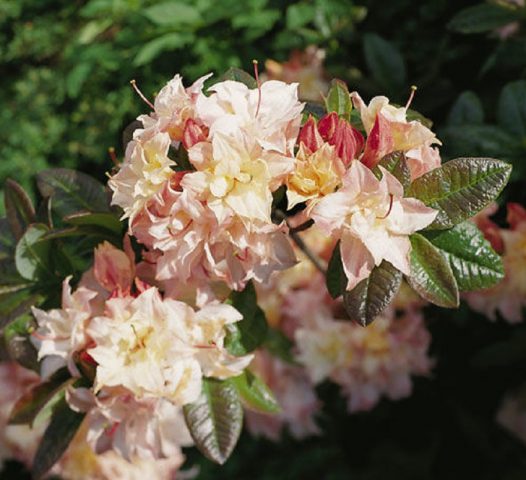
x=65 y=99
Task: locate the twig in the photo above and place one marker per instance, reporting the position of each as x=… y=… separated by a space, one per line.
x=294 y=234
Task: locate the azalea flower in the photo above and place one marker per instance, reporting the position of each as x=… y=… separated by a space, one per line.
x=372 y=220
x=143 y=174
x=61 y=332
x=388 y=131
x=162 y=348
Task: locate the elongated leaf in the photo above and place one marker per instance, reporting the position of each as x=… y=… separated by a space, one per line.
x=215 y=419
x=57 y=437
x=460 y=188
x=396 y=164
x=72 y=191
x=254 y=393
x=369 y=298
x=482 y=18
x=238 y=75
x=336 y=280
x=19 y=208
x=106 y=221
x=384 y=61
x=512 y=108
x=338 y=99
x=474 y=263
x=32 y=255
x=279 y=345
x=167 y=42
x=431 y=276
x=248 y=334
x=173 y=13
x=466 y=110
x=32 y=402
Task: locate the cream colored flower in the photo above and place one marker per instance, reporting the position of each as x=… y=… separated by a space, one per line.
x=162 y=348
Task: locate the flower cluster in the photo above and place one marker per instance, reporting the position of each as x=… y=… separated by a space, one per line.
x=244 y=213
x=509 y=296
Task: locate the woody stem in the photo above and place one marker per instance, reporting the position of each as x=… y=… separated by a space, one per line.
x=296 y=238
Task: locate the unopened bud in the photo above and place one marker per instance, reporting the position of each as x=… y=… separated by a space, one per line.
x=309 y=135
x=193 y=133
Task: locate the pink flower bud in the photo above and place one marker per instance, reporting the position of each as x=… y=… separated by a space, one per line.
x=338 y=132
x=113 y=268
x=193 y=133
x=309 y=135
x=327 y=126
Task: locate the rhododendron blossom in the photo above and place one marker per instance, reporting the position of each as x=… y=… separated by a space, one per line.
x=162 y=348
x=372 y=220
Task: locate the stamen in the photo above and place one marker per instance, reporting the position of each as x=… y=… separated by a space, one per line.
x=145 y=100
x=411 y=96
x=390 y=208
x=256 y=74
x=113 y=157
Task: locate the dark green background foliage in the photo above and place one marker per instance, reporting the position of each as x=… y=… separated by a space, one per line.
x=65 y=98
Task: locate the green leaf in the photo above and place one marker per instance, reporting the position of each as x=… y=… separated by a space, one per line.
x=72 y=191
x=107 y=221
x=169 y=41
x=57 y=437
x=34 y=400
x=215 y=419
x=385 y=62
x=339 y=100
x=431 y=276
x=32 y=255
x=474 y=263
x=279 y=345
x=396 y=164
x=482 y=18
x=460 y=188
x=19 y=208
x=254 y=393
x=173 y=13
x=18 y=344
x=466 y=110
x=246 y=335
x=370 y=297
x=511 y=112
x=299 y=15
x=336 y=279
x=238 y=75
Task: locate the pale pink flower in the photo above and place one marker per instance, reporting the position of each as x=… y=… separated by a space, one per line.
x=17 y=442
x=235 y=180
x=114 y=269
x=173 y=106
x=295 y=395
x=270 y=116
x=304 y=67
x=136 y=428
x=367 y=363
x=61 y=332
x=372 y=220
x=509 y=296
x=144 y=172
x=162 y=348
x=388 y=131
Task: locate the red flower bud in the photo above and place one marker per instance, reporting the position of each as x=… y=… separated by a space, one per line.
x=193 y=133
x=327 y=126
x=309 y=135
x=347 y=141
